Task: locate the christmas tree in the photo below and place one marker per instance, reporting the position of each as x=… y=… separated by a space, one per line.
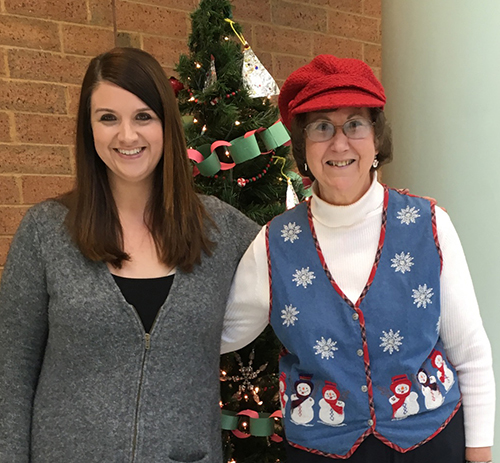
x=225 y=94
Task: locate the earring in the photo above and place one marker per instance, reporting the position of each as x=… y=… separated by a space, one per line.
x=375 y=162
x=305 y=166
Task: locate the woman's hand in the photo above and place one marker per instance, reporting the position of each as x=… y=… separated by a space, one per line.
x=478 y=453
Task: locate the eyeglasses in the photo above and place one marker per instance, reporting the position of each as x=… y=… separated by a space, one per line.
x=325 y=130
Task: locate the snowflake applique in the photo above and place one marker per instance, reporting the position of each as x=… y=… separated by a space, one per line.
x=422 y=296
x=289 y=315
x=325 y=347
x=291 y=232
x=402 y=262
x=303 y=277
x=391 y=341
x=408 y=215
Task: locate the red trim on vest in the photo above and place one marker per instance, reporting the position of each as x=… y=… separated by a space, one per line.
x=381 y=438
x=435 y=233
x=402 y=450
x=358 y=442
x=366 y=356
x=270 y=272
x=322 y=258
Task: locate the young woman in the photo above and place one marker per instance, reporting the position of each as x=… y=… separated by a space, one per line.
x=112 y=298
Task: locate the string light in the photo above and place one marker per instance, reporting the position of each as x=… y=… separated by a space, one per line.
x=227 y=153
x=198 y=65
x=195 y=120
x=237 y=122
x=226 y=38
x=204 y=129
x=224 y=373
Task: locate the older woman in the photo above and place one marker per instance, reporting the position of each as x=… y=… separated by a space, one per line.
x=386 y=358
x=113 y=296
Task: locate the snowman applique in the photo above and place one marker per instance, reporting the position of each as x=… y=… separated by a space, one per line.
x=444 y=374
x=404 y=401
x=302 y=412
x=282 y=390
x=331 y=409
x=430 y=390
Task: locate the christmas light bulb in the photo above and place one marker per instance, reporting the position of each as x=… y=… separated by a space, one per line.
x=195 y=120
x=191 y=99
x=224 y=373
x=237 y=123
x=256 y=390
x=260 y=403
x=198 y=65
x=227 y=153
x=246 y=397
x=204 y=129
x=244 y=424
x=226 y=38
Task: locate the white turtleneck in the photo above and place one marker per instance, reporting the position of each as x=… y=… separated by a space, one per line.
x=348 y=236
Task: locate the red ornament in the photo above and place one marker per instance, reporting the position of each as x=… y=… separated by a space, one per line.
x=176 y=84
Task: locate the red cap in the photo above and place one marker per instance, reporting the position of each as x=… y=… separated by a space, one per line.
x=328 y=82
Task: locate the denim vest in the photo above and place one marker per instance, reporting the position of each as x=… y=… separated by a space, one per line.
x=376 y=366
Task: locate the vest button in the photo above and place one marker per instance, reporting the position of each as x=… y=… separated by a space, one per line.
x=355 y=316
x=359 y=352
x=364 y=388
x=369 y=422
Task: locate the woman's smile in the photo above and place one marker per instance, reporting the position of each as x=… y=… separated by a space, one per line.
x=130 y=152
x=128 y=135
x=341 y=165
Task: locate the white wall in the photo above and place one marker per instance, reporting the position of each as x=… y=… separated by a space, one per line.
x=441 y=72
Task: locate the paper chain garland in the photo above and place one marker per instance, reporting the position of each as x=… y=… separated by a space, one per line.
x=241 y=149
x=261 y=424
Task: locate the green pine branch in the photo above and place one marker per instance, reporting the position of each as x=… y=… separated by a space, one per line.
x=258 y=187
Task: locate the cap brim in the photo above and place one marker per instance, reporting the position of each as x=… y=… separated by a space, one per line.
x=339 y=99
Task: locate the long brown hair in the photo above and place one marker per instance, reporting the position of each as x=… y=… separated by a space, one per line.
x=175 y=216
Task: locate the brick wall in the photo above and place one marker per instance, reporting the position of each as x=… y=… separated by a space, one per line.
x=45 y=47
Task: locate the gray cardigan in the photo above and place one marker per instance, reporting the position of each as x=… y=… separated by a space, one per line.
x=80 y=381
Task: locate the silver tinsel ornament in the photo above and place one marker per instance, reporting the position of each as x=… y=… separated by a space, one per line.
x=211 y=76
x=256 y=78
x=291 y=196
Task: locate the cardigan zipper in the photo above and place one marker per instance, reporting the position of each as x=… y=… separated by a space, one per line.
x=147 y=345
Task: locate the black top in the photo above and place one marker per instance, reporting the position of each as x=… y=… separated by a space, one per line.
x=147 y=295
